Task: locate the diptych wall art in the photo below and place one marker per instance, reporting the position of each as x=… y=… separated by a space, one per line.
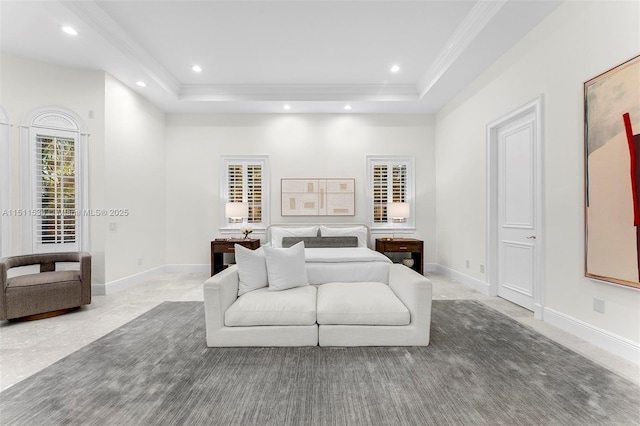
x=612 y=173
x=318 y=197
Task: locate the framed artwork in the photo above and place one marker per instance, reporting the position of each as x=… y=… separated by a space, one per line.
x=612 y=175
x=318 y=197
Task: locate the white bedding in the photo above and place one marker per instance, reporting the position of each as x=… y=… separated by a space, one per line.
x=346 y=264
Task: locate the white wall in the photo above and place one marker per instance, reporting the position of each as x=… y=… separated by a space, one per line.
x=126 y=159
x=577 y=42
x=135 y=184
x=298 y=146
x=27 y=85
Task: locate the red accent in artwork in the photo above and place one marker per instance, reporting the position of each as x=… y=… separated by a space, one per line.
x=634 y=169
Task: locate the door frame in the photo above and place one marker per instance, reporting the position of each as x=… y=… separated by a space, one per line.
x=535 y=107
x=5 y=184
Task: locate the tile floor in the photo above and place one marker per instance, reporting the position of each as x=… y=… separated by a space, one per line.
x=28 y=347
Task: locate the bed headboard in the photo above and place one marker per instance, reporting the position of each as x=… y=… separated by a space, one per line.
x=321 y=243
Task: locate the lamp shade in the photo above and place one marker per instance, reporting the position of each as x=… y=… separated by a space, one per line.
x=236 y=210
x=398 y=211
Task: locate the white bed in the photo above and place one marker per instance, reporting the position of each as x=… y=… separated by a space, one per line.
x=346 y=264
x=337 y=264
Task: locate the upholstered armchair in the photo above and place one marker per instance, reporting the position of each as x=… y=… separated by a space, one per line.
x=48 y=292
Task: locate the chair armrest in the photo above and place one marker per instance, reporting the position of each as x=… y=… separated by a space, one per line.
x=84 y=259
x=3 y=287
x=220 y=291
x=4 y=267
x=415 y=292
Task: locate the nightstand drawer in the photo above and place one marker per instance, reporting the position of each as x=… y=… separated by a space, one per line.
x=397 y=246
x=224 y=248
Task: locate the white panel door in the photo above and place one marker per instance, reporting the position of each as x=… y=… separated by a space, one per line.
x=517 y=210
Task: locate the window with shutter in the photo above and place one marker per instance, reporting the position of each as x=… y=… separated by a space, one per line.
x=244 y=180
x=389 y=179
x=254 y=193
x=55 y=190
x=54 y=176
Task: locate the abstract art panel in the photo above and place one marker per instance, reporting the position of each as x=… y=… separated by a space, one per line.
x=318 y=197
x=612 y=172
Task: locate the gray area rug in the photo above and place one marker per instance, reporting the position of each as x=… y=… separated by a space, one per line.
x=481 y=368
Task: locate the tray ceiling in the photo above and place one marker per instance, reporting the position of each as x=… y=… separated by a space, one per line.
x=257 y=56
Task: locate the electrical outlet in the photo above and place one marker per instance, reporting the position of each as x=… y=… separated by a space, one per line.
x=482 y=268
x=139 y=261
x=598 y=305
x=467 y=263
x=113 y=226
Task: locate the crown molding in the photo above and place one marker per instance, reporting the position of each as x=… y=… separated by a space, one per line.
x=99 y=20
x=478 y=17
x=298 y=92
x=476 y=20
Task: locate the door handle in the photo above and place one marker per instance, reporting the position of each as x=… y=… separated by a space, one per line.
x=532 y=237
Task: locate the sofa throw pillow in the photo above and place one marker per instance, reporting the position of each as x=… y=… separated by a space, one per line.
x=356 y=231
x=278 y=233
x=285 y=267
x=252 y=269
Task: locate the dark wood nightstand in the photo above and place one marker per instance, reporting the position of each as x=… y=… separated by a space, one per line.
x=220 y=246
x=404 y=245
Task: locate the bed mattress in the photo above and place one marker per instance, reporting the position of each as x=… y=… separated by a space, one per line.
x=346 y=264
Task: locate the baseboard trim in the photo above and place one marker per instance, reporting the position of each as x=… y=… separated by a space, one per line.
x=126 y=282
x=610 y=342
x=474 y=283
x=617 y=345
x=132 y=280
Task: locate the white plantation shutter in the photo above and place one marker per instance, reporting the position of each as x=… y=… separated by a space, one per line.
x=54 y=174
x=243 y=180
x=235 y=178
x=399 y=183
x=55 y=190
x=254 y=192
x=380 y=191
x=389 y=179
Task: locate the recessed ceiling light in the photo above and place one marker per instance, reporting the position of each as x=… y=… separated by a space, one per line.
x=287 y=107
x=70 y=30
x=347 y=107
x=196 y=68
x=141 y=84
x=395 y=68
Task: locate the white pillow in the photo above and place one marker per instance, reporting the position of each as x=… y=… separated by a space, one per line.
x=352 y=231
x=278 y=233
x=252 y=269
x=285 y=267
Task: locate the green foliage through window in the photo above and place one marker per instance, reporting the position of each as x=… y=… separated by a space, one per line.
x=56 y=190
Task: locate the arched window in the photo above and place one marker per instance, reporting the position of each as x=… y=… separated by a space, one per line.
x=54 y=178
x=5 y=185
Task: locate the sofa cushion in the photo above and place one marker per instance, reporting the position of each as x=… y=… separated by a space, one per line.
x=296 y=306
x=362 y=303
x=252 y=269
x=285 y=267
x=44 y=278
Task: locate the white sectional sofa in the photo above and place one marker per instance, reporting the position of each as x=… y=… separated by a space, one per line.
x=332 y=314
